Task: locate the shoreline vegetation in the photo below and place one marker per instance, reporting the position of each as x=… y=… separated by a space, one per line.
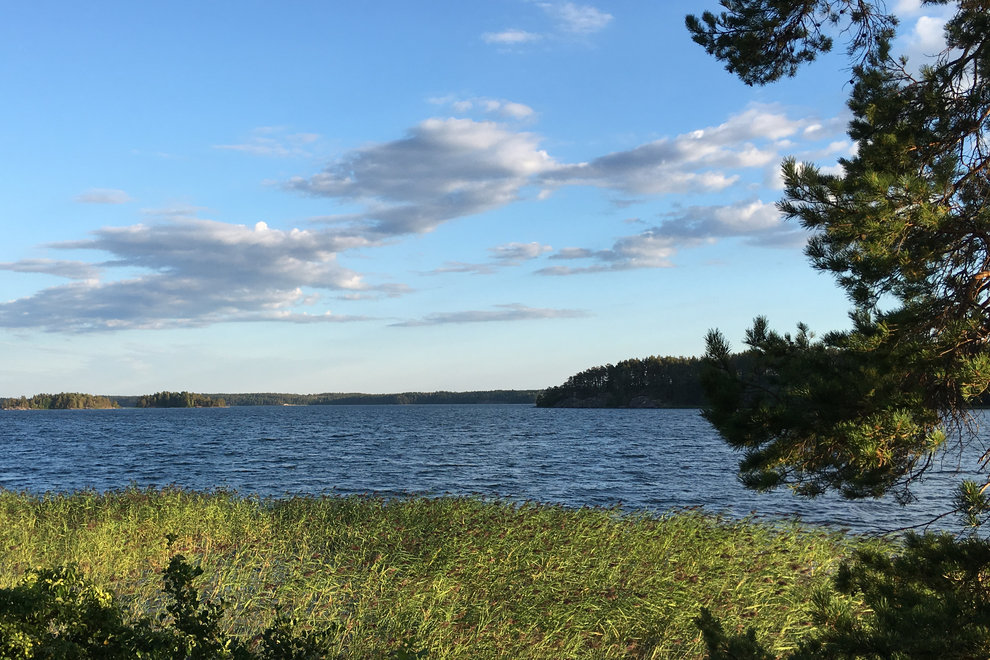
x=444 y=577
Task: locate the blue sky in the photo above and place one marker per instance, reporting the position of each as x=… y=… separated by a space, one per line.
x=391 y=196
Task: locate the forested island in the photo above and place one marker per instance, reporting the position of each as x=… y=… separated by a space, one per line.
x=179 y=400
x=61 y=401
x=652 y=382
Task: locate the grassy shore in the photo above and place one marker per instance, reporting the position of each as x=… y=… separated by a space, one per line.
x=454 y=577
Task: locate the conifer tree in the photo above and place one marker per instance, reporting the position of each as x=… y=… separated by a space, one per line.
x=904 y=228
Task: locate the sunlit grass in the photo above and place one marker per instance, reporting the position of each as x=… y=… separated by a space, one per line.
x=456 y=577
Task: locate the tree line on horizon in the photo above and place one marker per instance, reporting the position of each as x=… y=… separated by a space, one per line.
x=60 y=401
x=166 y=399
x=403 y=398
x=183 y=399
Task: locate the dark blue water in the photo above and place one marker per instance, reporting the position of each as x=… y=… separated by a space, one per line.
x=644 y=459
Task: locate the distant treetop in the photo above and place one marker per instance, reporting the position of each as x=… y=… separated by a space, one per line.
x=178 y=400
x=62 y=401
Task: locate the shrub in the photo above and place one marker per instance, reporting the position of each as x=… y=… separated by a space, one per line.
x=58 y=613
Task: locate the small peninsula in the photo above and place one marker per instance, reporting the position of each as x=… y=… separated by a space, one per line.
x=652 y=382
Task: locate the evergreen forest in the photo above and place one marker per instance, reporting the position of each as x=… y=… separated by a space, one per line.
x=652 y=382
x=61 y=401
x=179 y=400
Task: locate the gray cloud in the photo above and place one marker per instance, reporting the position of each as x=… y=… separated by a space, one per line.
x=463 y=267
x=152 y=302
x=196 y=272
x=73 y=270
x=452 y=168
x=699 y=161
x=228 y=255
x=510 y=312
x=378 y=292
x=444 y=169
x=509 y=254
x=513 y=254
x=756 y=222
x=199 y=272
x=103 y=196
x=646 y=250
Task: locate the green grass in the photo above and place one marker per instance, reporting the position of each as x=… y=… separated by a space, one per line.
x=456 y=577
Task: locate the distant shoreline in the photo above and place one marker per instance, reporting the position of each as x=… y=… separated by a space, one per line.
x=324 y=399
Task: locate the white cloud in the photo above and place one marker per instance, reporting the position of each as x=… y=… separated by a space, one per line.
x=274 y=141
x=510 y=37
x=923 y=38
x=577 y=19
x=907 y=6
x=515 y=110
x=103 y=196
x=569 y=20
x=496 y=107
x=510 y=312
x=929 y=35
x=174 y=212
x=184 y=271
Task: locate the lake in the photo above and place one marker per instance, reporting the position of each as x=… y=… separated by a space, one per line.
x=651 y=460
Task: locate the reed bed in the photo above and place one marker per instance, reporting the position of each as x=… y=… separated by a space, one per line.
x=451 y=577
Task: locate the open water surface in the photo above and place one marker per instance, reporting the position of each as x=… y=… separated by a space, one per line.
x=651 y=460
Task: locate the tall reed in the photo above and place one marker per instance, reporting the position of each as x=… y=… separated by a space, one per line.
x=455 y=577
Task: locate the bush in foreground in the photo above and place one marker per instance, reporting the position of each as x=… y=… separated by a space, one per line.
x=58 y=613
